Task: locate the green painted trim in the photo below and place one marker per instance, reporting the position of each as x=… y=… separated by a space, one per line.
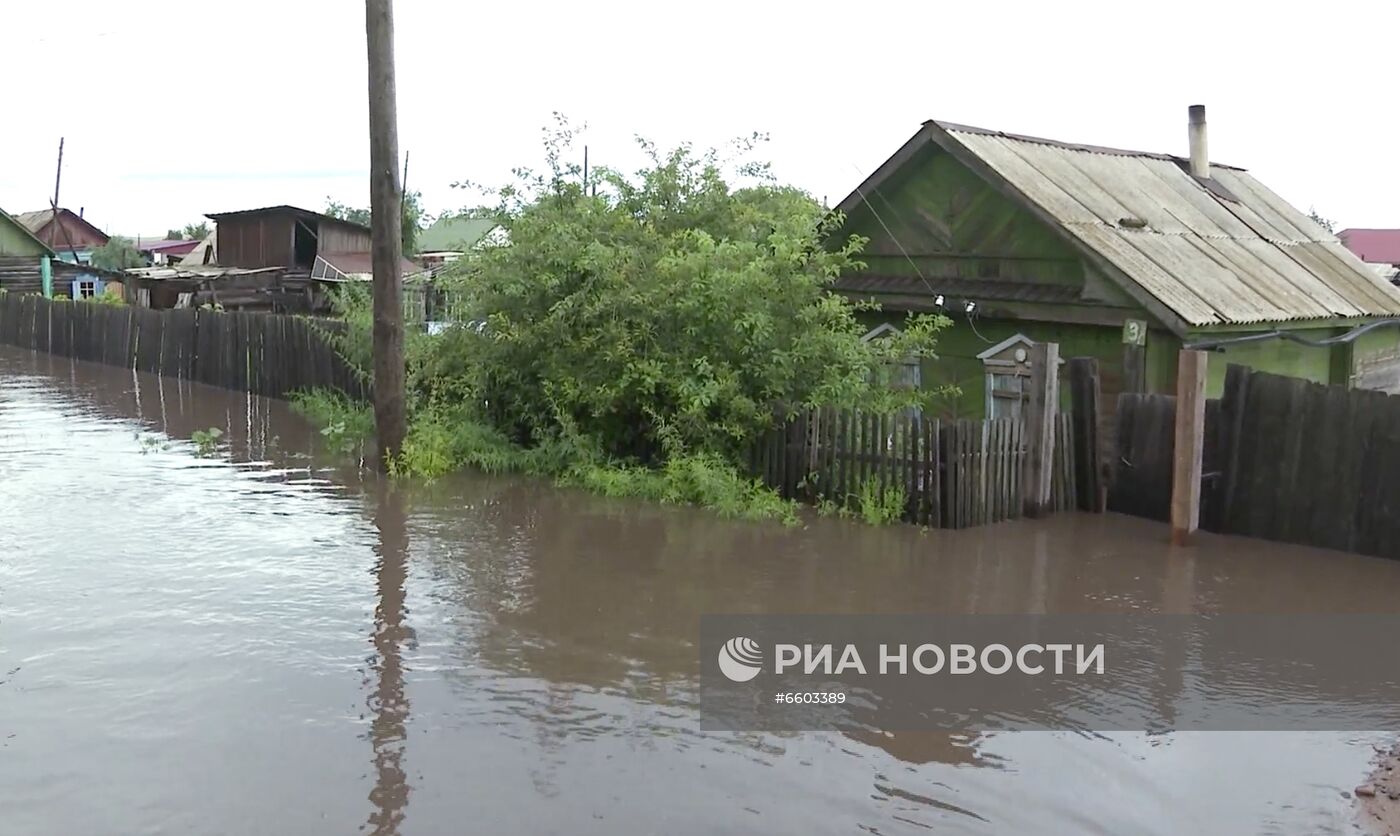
x=46 y=275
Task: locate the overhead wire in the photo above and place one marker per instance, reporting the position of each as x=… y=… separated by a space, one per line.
x=880 y=219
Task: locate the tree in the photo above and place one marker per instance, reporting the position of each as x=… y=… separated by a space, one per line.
x=336 y=209
x=414 y=218
x=190 y=232
x=117 y=254
x=667 y=313
x=1326 y=223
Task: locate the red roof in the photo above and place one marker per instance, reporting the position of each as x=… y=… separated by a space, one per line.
x=1377 y=246
x=175 y=246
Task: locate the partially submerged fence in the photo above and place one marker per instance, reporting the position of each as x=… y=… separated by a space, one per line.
x=948 y=475
x=267 y=354
x=1283 y=459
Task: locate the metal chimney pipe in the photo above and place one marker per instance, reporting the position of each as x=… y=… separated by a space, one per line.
x=1196 y=132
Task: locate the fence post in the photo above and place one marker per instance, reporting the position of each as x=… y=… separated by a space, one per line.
x=1190 y=442
x=1044 y=402
x=1084 y=401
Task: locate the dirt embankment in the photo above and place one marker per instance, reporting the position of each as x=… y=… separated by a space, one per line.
x=1378 y=800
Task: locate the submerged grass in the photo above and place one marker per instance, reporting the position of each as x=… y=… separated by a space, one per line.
x=879 y=507
x=442 y=439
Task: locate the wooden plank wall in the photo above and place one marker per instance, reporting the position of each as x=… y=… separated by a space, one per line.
x=1310 y=463
x=1284 y=459
x=952 y=475
x=266 y=354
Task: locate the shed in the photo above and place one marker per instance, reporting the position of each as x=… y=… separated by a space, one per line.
x=283 y=236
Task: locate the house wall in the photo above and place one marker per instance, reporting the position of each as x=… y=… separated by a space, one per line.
x=334 y=238
x=1327 y=364
x=951 y=224
x=255 y=241
x=1375 y=360
x=14 y=241
x=69 y=231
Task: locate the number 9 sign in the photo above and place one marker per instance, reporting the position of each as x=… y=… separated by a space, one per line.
x=1134 y=332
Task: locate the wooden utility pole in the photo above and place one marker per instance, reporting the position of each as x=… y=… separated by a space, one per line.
x=58 y=176
x=1190 y=442
x=386 y=227
x=1041 y=409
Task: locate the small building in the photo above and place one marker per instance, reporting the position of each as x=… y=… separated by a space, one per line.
x=1379 y=248
x=67 y=233
x=24 y=258
x=27 y=264
x=450 y=237
x=283 y=236
x=165 y=251
x=1125 y=256
x=202 y=255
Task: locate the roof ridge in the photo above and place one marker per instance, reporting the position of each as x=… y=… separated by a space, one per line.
x=954 y=127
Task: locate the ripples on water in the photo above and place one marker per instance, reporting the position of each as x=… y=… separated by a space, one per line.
x=263 y=642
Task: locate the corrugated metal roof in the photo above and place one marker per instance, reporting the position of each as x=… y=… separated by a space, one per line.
x=958 y=290
x=34 y=221
x=1209 y=259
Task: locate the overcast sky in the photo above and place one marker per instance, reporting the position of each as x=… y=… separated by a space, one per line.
x=174 y=109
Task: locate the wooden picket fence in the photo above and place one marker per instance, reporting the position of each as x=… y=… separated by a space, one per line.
x=267 y=354
x=1282 y=459
x=950 y=474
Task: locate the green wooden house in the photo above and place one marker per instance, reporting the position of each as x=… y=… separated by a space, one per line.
x=26 y=263
x=1120 y=255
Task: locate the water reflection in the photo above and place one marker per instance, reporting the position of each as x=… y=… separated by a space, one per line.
x=388 y=703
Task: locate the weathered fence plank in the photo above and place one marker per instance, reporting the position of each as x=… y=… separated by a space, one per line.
x=269 y=354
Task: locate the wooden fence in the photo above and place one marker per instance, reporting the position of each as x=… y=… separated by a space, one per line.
x=1146 y=446
x=1283 y=459
x=951 y=475
x=267 y=354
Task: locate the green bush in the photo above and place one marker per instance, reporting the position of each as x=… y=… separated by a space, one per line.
x=638 y=336
x=345 y=424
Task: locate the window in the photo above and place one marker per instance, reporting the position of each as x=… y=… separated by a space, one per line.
x=85 y=288
x=1007 y=370
x=1006 y=391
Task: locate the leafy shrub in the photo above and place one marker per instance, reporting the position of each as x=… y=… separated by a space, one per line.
x=345 y=424
x=878 y=507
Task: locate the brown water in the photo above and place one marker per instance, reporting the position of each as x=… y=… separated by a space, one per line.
x=261 y=642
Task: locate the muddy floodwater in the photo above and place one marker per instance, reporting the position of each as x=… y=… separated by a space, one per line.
x=265 y=641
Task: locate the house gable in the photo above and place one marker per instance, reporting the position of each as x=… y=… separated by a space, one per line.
x=935 y=227
x=17 y=240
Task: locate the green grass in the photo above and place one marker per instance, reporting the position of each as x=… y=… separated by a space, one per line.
x=878 y=507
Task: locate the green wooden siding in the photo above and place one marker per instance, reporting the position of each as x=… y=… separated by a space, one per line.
x=16 y=241
x=949 y=222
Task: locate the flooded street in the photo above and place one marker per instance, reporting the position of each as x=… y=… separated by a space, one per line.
x=267 y=641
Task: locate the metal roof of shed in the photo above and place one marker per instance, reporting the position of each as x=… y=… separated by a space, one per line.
x=1212 y=253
